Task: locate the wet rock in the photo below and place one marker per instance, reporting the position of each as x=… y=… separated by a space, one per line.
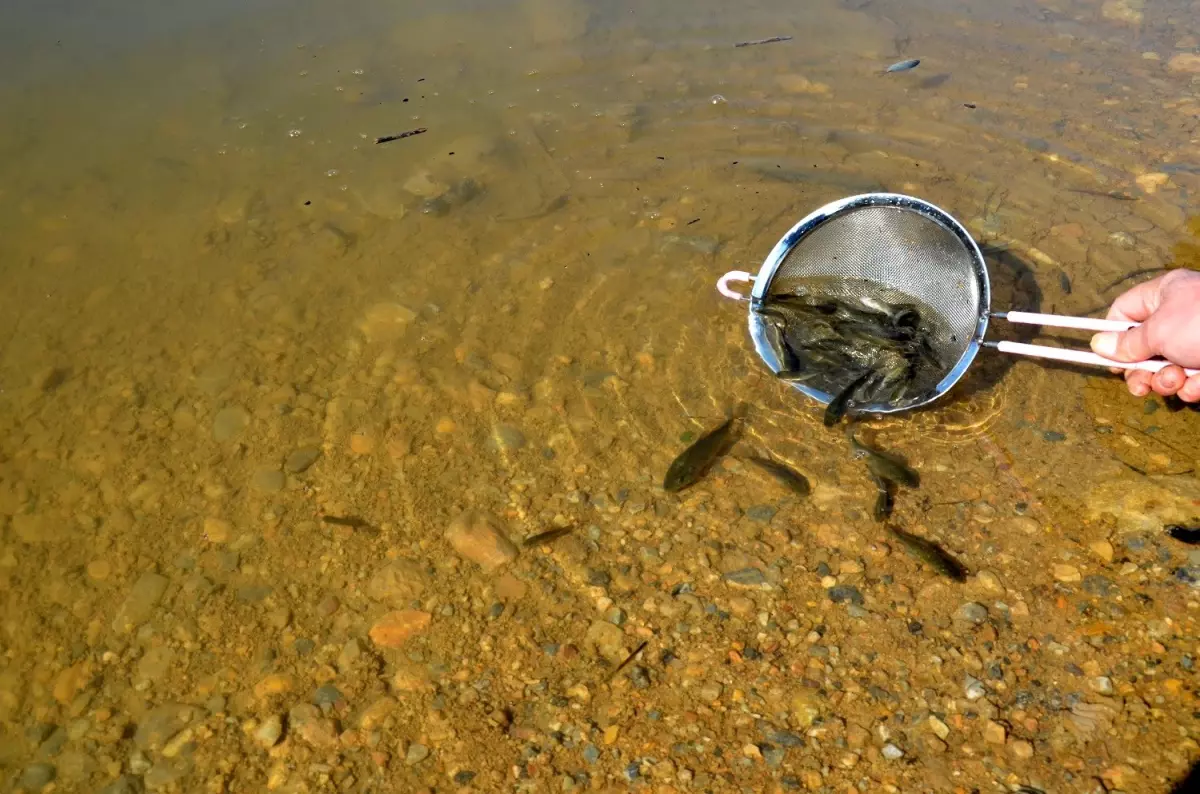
x=267 y=734
x=973 y=688
x=328 y=697
x=1099 y=585
x=385 y=322
x=415 y=754
x=229 y=423
x=125 y=784
x=162 y=723
x=1184 y=63
x=1087 y=718
x=1066 y=573
x=461 y=192
x=301 y=459
x=990 y=582
x=891 y=752
x=971 y=612
x=746 y=577
x=939 y=728
x=1102 y=549
x=1127 y=11
x=397 y=583
x=154 y=664
x=591 y=753
x=761 y=513
x=269 y=479
x=307 y=722
x=507 y=438
x=480 y=538
x=1156 y=501
x=349 y=655
x=994 y=732
x=1020 y=749
x=140 y=603
x=606 y=640
x=709 y=691
x=844 y=593
x=395 y=628
x=1101 y=684
x=36 y=777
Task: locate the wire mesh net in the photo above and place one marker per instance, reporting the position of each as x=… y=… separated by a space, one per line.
x=895 y=254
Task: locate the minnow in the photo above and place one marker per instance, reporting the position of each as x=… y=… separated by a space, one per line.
x=933 y=554
x=903 y=66
x=786 y=475
x=691 y=465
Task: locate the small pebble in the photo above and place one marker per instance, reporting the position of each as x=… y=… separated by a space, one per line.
x=972 y=612
x=1066 y=573
x=994 y=733
x=843 y=593
x=269 y=479
x=36 y=777
x=746 y=577
x=416 y=754
x=892 y=752
x=761 y=513
x=301 y=459
x=268 y=733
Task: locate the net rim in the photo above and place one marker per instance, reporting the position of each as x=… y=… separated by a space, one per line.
x=826 y=213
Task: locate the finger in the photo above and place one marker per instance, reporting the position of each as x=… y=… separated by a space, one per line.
x=1136 y=344
x=1167 y=381
x=1190 y=392
x=1138 y=382
x=1138 y=303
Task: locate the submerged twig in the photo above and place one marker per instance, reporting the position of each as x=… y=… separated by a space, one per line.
x=629 y=658
x=771 y=40
x=409 y=134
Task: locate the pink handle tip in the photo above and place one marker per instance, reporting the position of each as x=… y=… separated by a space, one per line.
x=733 y=275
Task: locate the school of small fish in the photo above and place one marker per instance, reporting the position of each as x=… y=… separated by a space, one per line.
x=887 y=470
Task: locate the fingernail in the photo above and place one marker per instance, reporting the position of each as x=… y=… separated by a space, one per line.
x=1105 y=343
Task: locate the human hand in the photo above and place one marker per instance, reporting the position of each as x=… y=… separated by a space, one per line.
x=1168 y=308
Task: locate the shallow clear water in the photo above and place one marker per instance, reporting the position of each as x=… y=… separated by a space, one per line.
x=210 y=275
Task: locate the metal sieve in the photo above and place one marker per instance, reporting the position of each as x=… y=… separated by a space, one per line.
x=881 y=245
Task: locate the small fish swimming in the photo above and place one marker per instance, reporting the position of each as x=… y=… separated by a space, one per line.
x=549 y=536
x=886 y=499
x=932 y=554
x=1189 y=535
x=789 y=477
x=838 y=405
x=692 y=464
x=903 y=66
x=885 y=465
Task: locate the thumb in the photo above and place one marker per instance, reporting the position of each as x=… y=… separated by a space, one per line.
x=1131 y=345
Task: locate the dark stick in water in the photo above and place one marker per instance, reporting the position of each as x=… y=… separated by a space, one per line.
x=409 y=134
x=630 y=658
x=771 y=40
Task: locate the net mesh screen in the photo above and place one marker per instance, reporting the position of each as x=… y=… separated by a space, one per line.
x=892 y=253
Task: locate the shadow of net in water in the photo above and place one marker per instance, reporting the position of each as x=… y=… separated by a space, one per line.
x=1013 y=287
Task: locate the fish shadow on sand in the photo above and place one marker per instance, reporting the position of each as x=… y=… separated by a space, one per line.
x=934 y=80
x=1013 y=287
